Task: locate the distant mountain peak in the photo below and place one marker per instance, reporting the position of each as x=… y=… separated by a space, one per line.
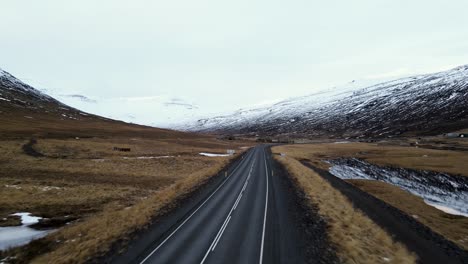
x=80 y=97
x=180 y=103
x=8 y=81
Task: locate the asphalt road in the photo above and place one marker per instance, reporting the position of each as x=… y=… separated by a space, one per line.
x=245 y=218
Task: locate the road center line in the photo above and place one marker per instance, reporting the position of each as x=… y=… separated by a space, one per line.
x=237 y=202
x=228 y=218
x=266 y=209
x=167 y=238
x=222 y=231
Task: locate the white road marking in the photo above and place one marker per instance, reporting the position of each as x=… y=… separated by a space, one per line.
x=237 y=202
x=266 y=209
x=228 y=218
x=222 y=231
x=167 y=238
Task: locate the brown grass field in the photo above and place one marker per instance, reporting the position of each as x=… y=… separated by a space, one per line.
x=387 y=154
x=357 y=238
x=454 y=228
x=93 y=195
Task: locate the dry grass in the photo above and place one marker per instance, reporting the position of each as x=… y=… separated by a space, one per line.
x=18 y=123
x=94 y=236
x=383 y=154
x=111 y=194
x=10 y=220
x=97 y=164
x=357 y=238
x=61 y=198
x=453 y=227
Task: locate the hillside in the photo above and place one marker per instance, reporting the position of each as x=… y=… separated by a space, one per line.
x=25 y=112
x=89 y=182
x=420 y=105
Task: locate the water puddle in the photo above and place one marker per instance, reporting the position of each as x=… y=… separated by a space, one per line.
x=14 y=236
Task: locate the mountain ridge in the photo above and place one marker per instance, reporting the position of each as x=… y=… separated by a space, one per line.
x=26 y=112
x=382 y=110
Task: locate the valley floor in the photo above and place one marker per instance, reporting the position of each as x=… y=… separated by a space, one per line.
x=91 y=196
x=402 y=156
x=93 y=200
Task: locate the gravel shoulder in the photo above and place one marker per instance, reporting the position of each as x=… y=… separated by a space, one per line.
x=294 y=215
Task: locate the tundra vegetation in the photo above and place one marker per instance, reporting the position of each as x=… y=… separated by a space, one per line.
x=95 y=196
x=430 y=154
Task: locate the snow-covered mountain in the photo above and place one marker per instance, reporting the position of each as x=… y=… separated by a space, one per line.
x=26 y=112
x=423 y=104
x=157 y=111
x=22 y=104
x=11 y=85
x=17 y=96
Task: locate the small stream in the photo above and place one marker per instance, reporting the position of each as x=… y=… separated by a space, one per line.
x=14 y=236
x=445 y=192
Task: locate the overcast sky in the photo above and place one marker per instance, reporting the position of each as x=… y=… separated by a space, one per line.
x=222 y=55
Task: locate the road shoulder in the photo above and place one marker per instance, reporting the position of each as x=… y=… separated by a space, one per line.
x=292 y=214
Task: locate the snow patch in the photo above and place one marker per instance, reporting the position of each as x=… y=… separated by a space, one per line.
x=443 y=191
x=149 y=157
x=27 y=218
x=49 y=188
x=13 y=186
x=446 y=209
x=213 y=154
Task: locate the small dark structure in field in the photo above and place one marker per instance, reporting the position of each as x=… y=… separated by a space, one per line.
x=227 y=137
x=122 y=149
x=264 y=139
x=29 y=149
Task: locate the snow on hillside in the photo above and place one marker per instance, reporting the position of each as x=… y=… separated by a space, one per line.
x=438 y=189
x=16 y=95
x=358 y=108
x=10 y=82
x=158 y=111
x=352 y=107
